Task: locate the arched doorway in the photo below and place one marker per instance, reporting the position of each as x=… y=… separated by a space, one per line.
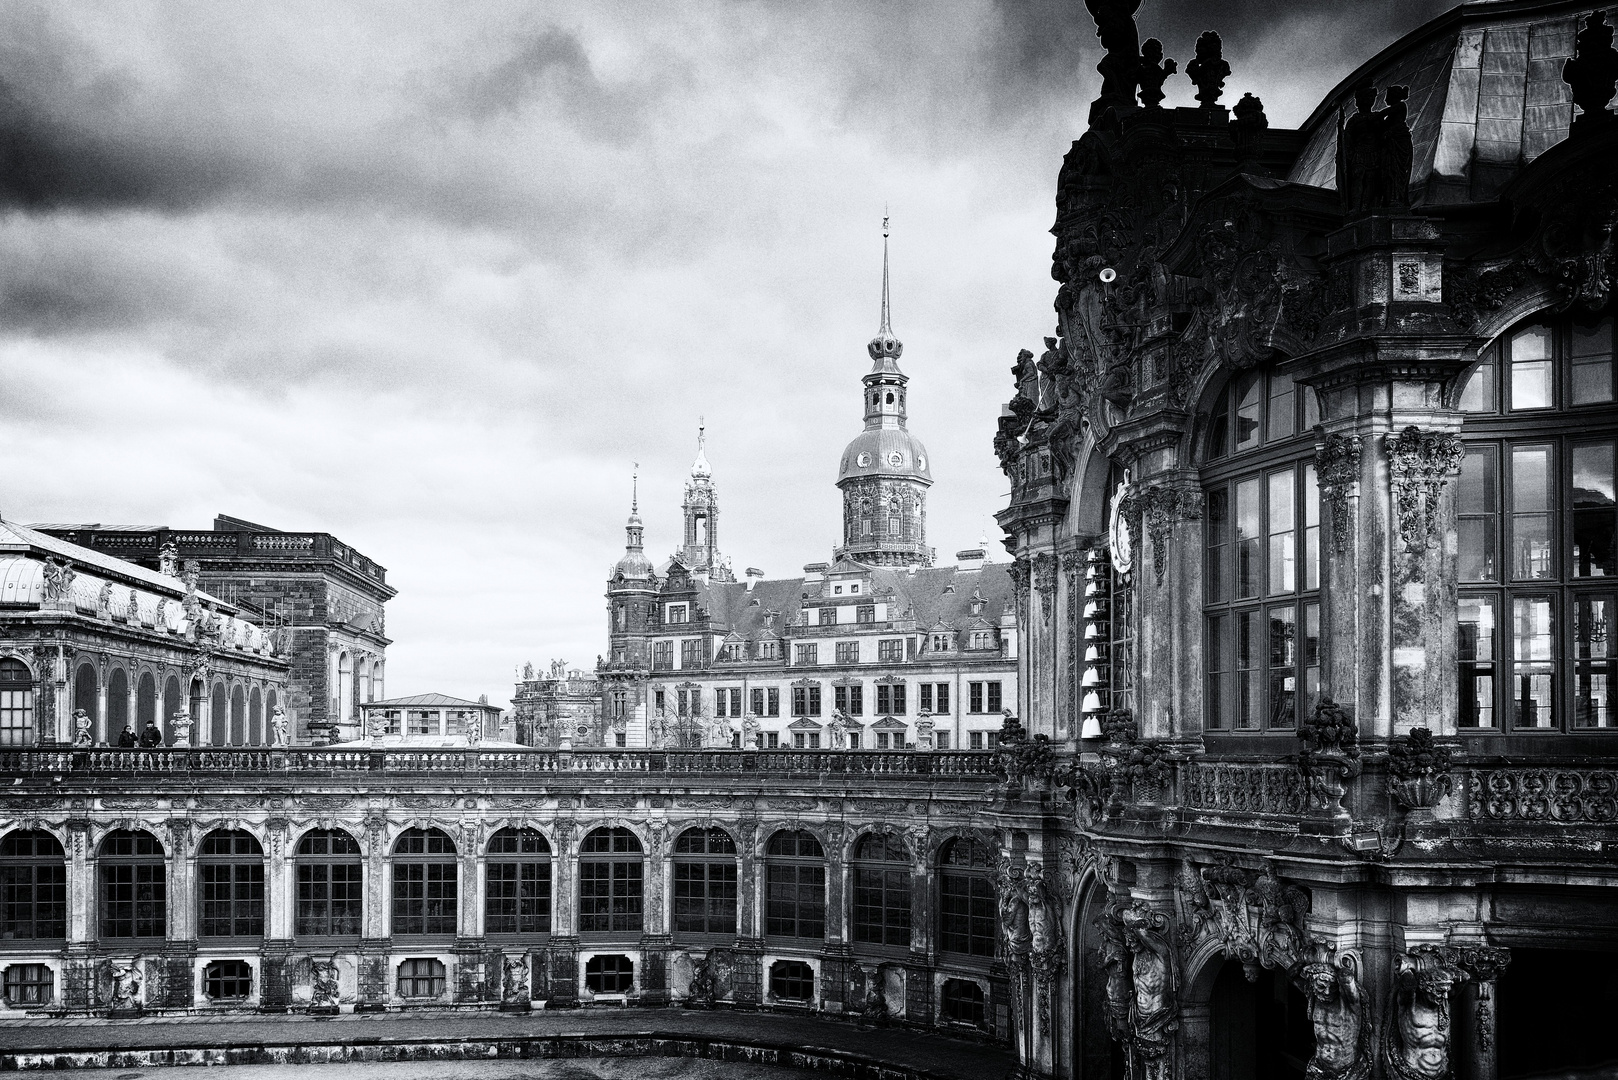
x=1096 y=1056
x=1258 y=1028
x=1570 y=1026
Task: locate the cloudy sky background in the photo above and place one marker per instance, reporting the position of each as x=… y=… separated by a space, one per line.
x=431 y=277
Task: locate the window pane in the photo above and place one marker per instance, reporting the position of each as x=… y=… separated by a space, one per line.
x=1593 y=511
x=1283 y=417
x=1532 y=558
x=1311 y=529
x=1218 y=706
x=1249 y=692
x=1592 y=362
x=1476 y=652
x=1311 y=656
x=1531 y=634
x=1592 y=620
x=1283 y=570
x=1311 y=407
x=1479 y=395
x=1216 y=575
x=1219 y=427
x=1478 y=514
x=1249 y=537
x=1247 y=410
x=1283 y=666
x=1531 y=368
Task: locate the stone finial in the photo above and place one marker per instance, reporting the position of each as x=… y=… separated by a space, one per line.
x=1120 y=67
x=1209 y=70
x=1154 y=72
x=1592 y=73
x=1248 y=128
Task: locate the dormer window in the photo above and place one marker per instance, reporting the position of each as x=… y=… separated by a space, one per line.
x=679 y=613
x=977 y=605
x=854 y=588
x=940 y=642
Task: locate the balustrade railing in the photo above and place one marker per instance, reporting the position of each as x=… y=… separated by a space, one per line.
x=1570 y=792
x=1249 y=787
x=67 y=761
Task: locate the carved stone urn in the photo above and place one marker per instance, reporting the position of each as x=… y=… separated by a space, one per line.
x=1418 y=775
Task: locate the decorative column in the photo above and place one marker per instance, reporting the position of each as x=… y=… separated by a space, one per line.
x=471 y=974
x=373 y=983
x=919 y=966
x=275 y=992
x=748 y=978
x=1474 y=1034
x=836 y=953
x=1164 y=517
x=563 y=954
x=180 y=949
x=79 y=975
x=656 y=941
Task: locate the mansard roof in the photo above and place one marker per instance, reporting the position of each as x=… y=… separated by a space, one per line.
x=1486 y=98
x=927 y=596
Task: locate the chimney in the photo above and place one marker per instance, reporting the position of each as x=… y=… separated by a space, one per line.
x=754 y=576
x=970 y=559
x=815 y=571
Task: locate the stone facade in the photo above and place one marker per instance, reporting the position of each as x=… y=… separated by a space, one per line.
x=560 y=703
x=322 y=597
x=1319 y=711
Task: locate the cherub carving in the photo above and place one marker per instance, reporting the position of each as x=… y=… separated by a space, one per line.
x=1154 y=72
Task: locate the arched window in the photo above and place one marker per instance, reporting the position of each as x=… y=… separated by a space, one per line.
x=424 y=880
x=219 y=726
x=865 y=517
x=1261 y=570
x=230 y=880
x=16 y=703
x=363 y=678
x=197 y=698
x=271 y=700
x=705 y=882
x=966 y=901
x=238 y=717
x=146 y=703
x=173 y=702
x=118 y=718
x=1537 y=521
x=227 y=980
x=133 y=889
x=422 y=978
x=882 y=875
x=893 y=518
x=345 y=687
x=330 y=885
x=255 y=718
x=84 y=697
x=795 y=886
x=610 y=883
x=33 y=887
x=963 y=1002
x=517 y=883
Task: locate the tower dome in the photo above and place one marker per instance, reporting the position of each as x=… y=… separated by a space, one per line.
x=634 y=566
x=884 y=472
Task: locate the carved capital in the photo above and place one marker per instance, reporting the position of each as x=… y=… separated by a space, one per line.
x=1420 y=464
x=1156 y=508
x=1337 y=470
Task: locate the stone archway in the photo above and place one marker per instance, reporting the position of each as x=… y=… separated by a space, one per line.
x=1096 y=1054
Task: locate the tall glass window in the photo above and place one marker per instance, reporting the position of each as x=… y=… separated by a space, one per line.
x=1535 y=528
x=16 y=703
x=795 y=886
x=517 y=883
x=425 y=883
x=611 y=883
x=881 y=878
x=133 y=886
x=33 y=887
x=330 y=885
x=705 y=882
x=230 y=880
x=967 y=921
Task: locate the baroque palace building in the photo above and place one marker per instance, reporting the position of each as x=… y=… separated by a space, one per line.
x=877 y=649
x=1306 y=636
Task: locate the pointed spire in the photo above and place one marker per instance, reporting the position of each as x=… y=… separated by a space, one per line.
x=634 y=498
x=700 y=469
x=887 y=324
x=885 y=349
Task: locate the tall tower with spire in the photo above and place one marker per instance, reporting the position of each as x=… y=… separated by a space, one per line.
x=884 y=475
x=631 y=590
x=700 y=550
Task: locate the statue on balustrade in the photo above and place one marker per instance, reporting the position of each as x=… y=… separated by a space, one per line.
x=278 y=724
x=81 y=729
x=1120 y=67
x=1374 y=153
x=180 y=725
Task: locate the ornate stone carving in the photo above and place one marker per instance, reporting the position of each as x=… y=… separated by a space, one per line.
x=1337 y=469
x=1330 y=754
x=1337 y=1013
x=104 y=599
x=1120 y=67
x=1374 y=153
x=1416 y=1032
x=1044 y=583
x=516 y=981
x=59 y=575
x=1244 y=787
x=1420 y=465
x=1258 y=917
x=1209 y=70
x=1156 y=508
x=1418 y=771
x=1019 y=573
x=1153 y=72
x=1154 y=982
x=1514 y=793
x=1591 y=73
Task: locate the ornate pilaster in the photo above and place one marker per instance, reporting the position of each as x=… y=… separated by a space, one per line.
x=1420 y=465
x=1474 y=1034
x=1337 y=470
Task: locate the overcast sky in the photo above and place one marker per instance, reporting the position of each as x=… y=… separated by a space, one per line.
x=432 y=277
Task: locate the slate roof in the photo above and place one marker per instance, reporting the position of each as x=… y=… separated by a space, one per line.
x=1486 y=97
x=928 y=596
x=427 y=701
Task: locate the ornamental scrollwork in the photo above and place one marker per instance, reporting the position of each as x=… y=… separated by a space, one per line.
x=1337 y=470
x=1019 y=573
x=1420 y=463
x=1156 y=509
x=1044 y=582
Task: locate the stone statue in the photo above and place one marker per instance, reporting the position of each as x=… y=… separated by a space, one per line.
x=1416 y=1036
x=1154 y=72
x=1151 y=974
x=180 y=725
x=126 y=984
x=168 y=560
x=1374 y=153
x=516 y=987
x=1337 y=1013
x=474 y=731
x=1591 y=73
x=325 y=988
x=378 y=726
x=81 y=729
x=1357 y=152
x=1209 y=70
x=1394 y=130
x=1115 y=959
x=1120 y=67
x=925 y=739
x=750 y=732
x=528 y=672
x=703 y=989
x=278 y=724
